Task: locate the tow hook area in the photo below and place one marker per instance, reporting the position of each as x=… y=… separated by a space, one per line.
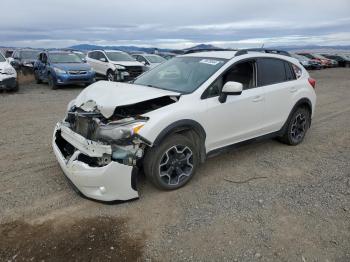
x=93 y=169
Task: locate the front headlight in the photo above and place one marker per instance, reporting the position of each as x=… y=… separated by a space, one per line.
x=119 y=67
x=9 y=71
x=117 y=132
x=59 y=71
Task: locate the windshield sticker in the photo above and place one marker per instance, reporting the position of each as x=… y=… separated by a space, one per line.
x=210 y=61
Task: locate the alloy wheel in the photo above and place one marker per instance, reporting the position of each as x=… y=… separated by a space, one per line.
x=298 y=127
x=176 y=164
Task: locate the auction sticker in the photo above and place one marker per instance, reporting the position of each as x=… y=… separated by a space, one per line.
x=210 y=61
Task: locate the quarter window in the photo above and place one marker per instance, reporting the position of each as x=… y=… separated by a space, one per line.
x=271 y=71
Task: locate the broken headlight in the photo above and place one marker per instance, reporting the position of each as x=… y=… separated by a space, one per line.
x=116 y=132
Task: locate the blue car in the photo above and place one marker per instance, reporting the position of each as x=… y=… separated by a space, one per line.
x=59 y=68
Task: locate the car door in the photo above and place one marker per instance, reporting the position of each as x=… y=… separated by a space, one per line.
x=102 y=65
x=240 y=117
x=91 y=59
x=42 y=66
x=278 y=80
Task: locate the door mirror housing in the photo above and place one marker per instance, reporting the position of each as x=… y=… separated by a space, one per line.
x=230 y=88
x=102 y=59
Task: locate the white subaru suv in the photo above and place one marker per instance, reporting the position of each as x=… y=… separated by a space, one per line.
x=172 y=117
x=115 y=65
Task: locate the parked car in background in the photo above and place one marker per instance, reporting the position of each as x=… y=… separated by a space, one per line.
x=8 y=75
x=115 y=65
x=307 y=63
x=334 y=63
x=175 y=115
x=8 y=53
x=149 y=60
x=24 y=58
x=59 y=68
x=167 y=56
x=325 y=62
x=82 y=55
x=342 y=60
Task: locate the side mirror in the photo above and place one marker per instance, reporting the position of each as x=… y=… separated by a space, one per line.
x=84 y=60
x=230 y=88
x=102 y=59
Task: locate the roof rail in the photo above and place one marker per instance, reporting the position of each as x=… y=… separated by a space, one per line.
x=206 y=50
x=241 y=52
x=269 y=51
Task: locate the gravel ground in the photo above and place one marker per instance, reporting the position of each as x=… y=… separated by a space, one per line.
x=297 y=207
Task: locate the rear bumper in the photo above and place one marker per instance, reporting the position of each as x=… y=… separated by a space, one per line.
x=111 y=182
x=8 y=83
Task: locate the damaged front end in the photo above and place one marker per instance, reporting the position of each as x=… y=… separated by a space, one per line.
x=100 y=154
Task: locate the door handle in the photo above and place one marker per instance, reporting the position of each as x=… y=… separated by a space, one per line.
x=293 y=90
x=257 y=99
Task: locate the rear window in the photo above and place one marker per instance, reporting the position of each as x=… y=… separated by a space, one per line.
x=271 y=71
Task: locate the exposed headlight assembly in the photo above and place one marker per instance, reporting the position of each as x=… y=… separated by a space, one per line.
x=59 y=71
x=119 y=67
x=9 y=71
x=118 y=132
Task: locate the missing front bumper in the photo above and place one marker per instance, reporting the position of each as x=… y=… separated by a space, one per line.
x=112 y=182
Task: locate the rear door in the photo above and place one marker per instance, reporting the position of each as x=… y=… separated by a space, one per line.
x=278 y=80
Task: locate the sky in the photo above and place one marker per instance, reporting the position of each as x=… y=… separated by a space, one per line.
x=174 y=23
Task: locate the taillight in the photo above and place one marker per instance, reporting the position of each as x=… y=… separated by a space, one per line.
x=312 y=82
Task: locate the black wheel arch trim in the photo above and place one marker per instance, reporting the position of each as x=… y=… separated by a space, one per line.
x=183 y=125
x=300 y=102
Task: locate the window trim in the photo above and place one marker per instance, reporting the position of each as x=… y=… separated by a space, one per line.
x=255 y=69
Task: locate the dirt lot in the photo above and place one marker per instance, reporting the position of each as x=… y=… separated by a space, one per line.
x=298 y=210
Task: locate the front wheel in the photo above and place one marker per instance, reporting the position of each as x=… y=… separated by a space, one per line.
x=36 y=76
x=297 y=127
x=110 y=76
x=173 y=163
x=52 y=82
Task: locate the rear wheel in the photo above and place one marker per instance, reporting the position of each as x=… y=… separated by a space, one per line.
x=171 y=164
x=297 y=127
x=52 y=82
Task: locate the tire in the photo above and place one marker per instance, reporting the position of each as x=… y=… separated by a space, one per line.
x=37 y=78
x=52 y=82
x=176 y=158
x=297 y=127
x=110 y=76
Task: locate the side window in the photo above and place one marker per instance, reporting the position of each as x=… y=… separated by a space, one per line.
x=271 y=71
x=297 y=71
x=91 y=55
x=290 y=75
x=243 y=72
x=44 y=58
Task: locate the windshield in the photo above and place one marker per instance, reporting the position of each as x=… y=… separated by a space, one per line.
x=30 y=54
x=181 y=74
x=2 y=58
x=155 y=59
x=64 y=58
x=119 y=56
x=81 y=55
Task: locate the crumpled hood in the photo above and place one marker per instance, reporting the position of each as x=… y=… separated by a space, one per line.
x=72 y=66
x=106 y=96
